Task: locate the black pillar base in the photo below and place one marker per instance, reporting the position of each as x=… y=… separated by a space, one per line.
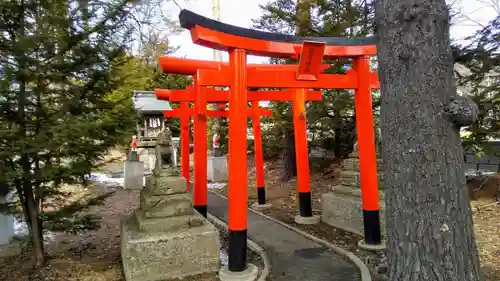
x=261 y=195
x=237 y=250
x=305 y=204
x=202 y=210
x=371 y=223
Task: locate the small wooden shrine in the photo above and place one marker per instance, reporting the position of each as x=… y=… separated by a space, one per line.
x=152 y=116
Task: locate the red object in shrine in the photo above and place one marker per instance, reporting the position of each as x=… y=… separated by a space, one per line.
x=215 y=141
x=134 y=144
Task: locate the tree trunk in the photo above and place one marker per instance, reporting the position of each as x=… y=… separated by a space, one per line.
x=31 y=212
x=36 y=226
x=429 y=223
x=289 y=160
x=20 y=193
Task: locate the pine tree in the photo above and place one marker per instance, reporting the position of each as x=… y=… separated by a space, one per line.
x=480 y=78
x=61 y=104
x=331 y=123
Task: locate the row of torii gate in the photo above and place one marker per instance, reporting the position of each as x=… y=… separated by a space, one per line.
x=296 y=82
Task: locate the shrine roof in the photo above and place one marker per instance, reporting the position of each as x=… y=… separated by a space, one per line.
x=145 y=102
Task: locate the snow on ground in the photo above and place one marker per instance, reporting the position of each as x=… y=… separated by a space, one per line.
x=21 y=230
x=108 y=181
x=475 y=173
x=224 y=258
x=216 y=185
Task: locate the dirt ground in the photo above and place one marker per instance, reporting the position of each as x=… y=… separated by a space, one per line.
x=285 y=207
x=93 y=256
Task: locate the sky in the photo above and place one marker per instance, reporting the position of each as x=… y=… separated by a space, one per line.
x=241 y=12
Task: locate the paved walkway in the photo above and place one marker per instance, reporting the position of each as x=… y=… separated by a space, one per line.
x=293 y=257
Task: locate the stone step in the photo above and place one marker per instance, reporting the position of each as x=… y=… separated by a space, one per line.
x=352 y=178
x=355 y=192
x=166 y=185
x=168 y=255
x=352 y=164
x=13 y=248
x=164 y=224
x=355 y=154
x=166 y=206
x=345 y=211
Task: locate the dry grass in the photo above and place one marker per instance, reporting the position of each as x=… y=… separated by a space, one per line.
x=487 y=228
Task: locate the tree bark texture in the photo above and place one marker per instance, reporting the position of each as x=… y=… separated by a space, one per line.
x=429 y=223
x=290 y=160
x=31 y=213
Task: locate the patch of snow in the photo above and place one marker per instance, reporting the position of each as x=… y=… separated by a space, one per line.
x=106 y=181
x=224 y=258
x=216 y=185
x=475 y=173
x=110 y=182
x=21 y=229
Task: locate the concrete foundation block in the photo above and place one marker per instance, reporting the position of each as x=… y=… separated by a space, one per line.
x=354 y=192
x=261 y=207
x=166 y=185
x=307 y=220
x=249 y=274
x=166 y=224
x=155 y=256
x=134 y=175
x=217 y=169
x=148 y=157
x=6 y=224
x=13 y=248
x=350 y=178
x=133 y=156
x=166 y=206
x=353 y=179
x=374 y=248
x=352 y=164
x=9 y=245
x=343 y=210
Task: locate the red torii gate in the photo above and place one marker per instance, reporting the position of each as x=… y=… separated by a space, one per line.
x=212 y=95
x=238 y=76
x=185 y=112
x=203 y=95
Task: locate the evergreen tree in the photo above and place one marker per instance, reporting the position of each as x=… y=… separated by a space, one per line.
x=331 y=123
x=480 y=79
x=63 y=103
